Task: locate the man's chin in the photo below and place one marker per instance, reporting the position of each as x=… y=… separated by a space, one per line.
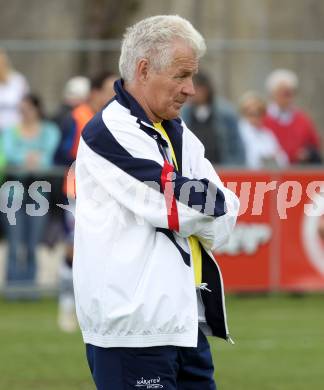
x=175 y=112
x=172 y=114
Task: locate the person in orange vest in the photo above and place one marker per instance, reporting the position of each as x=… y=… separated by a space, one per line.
x=75 y=92
x=101 y=92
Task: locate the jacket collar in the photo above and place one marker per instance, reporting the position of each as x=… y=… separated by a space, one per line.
x=172 y=127
x=128 y=101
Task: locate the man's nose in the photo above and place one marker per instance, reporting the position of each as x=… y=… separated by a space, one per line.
x=188 y=88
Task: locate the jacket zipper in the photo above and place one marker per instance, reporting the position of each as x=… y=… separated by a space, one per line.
x=228 y=336
x=202 y=286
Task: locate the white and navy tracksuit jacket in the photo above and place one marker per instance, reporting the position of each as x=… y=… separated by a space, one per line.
x=133 y=274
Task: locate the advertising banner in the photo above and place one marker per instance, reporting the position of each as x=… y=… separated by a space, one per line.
x=278 y=243
x=302 y=233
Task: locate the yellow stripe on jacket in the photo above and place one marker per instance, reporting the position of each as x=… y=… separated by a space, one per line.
x=193 y=240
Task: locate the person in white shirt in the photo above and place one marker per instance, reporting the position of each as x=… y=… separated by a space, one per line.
x=261 y=147
x=150 y=209
x=13 y=87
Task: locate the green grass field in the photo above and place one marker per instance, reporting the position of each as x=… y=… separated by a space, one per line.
x=279 y=346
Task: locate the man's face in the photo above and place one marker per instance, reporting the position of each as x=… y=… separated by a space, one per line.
x=284 y=96
x=167 y=90
x=254 y=113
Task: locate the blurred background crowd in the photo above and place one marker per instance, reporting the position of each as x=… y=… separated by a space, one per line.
x=258 y=110
x=252 y=109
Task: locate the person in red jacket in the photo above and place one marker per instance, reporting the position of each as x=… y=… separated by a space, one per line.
x=292 y=127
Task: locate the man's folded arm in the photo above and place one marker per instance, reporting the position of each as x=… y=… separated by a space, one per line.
x=131 y=171
x=218 y=232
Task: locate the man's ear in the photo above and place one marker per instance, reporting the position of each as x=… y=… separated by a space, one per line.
x=142 y=70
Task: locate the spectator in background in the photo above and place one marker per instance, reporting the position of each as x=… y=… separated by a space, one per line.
x=13 y=86
x=28 y=146
x=261 y=146
x=101 y=92
x=76 y=91
x=214 y=121
x=293 y=128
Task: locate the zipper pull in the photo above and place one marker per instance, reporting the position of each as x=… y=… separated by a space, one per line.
x=203 y=286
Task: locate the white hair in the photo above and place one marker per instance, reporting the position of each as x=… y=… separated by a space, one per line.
x=279 y=77
x=152 y=38
x=77 y=87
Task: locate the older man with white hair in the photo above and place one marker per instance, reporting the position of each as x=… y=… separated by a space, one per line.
x=291 y=126
x=150 y=210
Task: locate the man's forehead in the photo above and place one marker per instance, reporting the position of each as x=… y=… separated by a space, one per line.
x=183 y=54
x=185 y=62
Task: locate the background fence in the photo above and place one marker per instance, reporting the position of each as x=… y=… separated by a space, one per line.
x=235 y=65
